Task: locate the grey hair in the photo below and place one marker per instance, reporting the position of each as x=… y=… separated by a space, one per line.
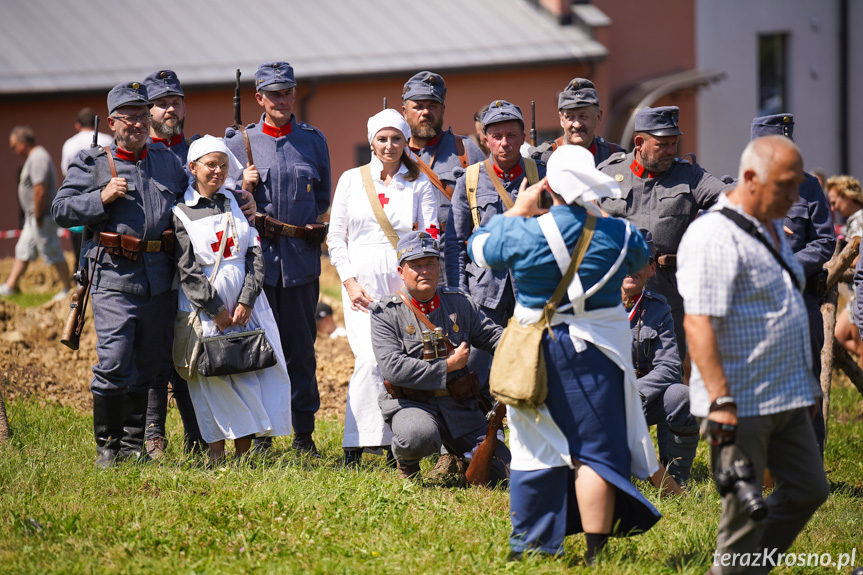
x=23 y=134
x=759 y=152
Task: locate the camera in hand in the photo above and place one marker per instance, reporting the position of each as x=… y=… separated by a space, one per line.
x=739 y=477
x=545 y=201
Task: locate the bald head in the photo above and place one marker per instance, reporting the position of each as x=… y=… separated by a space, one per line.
x=771 y=171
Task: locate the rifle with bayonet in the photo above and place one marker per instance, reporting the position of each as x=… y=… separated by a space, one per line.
x=71 y=336
x=533 y=123
x=238 y=122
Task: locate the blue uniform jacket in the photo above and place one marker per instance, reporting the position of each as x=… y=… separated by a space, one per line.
x=654 y=347
x=154 y=183
x=484 y=286
x=294 y=188
x=602 y=150
x=519 y=244
x=812 y=237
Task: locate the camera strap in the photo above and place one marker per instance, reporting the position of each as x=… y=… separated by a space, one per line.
x=747 y=226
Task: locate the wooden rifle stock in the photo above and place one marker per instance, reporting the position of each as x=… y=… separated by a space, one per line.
x=479 y=470
x=75 y=321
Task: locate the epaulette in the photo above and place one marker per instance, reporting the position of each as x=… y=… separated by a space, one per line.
x=614 y=158
x=309 y=128
x=451 y=289
x=656 y=296
x=684 y=159
x=391 y=298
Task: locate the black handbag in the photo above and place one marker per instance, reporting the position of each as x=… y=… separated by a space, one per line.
x=233 y=353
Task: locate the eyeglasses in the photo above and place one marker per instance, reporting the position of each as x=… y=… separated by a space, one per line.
x=213 y=165
x=132 y=120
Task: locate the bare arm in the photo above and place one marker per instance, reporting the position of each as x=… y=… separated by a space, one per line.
x=40 y=202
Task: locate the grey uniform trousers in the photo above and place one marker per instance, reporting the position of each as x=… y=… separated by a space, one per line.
x=784 y=442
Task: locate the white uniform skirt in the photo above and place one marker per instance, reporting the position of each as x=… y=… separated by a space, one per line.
x=375 y=265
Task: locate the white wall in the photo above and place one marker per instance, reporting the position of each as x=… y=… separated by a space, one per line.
x=727 y=39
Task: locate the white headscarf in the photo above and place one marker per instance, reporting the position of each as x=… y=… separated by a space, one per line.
x=388 y=118
x=209 y=144
x=572 y=174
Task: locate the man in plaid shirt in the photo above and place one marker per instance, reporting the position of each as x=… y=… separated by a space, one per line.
x=749 y=340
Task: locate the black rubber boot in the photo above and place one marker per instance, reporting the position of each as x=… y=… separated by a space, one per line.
x=107 y=428
x=134 y=421
x=681 y=447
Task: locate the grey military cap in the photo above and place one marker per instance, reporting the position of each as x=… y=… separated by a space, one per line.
x=272 y=76
x=501 y=111
x=128 y=94
x=163 y=83
x=425 y=85
x=660 y=121
x=416 y=245
x=775 y=124
x=578 y=94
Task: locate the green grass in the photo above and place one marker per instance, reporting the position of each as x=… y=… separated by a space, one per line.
x=59 y=514
x=28 y=299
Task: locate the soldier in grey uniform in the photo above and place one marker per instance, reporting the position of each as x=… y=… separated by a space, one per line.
x=580 y=114
x=662 y=194
x=443 y=153
x=291 y=180
x=499 y=177
x=665 y=399
x=166 y=128
x=130 y=215
x=431 y=401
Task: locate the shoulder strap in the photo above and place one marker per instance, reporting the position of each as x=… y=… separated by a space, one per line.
x=460 y=151
x=748 y=227
x=577 y=257
x=471 y=183
x=423 y=318
x=380 y=216
x=498 y=185
x=530 y=171
x=433 y=177
x=111 y=161
x=224 y=240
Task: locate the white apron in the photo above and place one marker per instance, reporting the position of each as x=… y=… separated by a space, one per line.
x=255 y=403
x=541 y=444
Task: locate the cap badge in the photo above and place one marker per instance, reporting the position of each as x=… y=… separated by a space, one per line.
x=618 y=178
x=275 y=64
x=431 y=80
x=135 y=85
x=786 y=119
x=163 y=74
x=410 y=329
x=498 y=104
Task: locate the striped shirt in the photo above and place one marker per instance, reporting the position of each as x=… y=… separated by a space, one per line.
x=757 y=312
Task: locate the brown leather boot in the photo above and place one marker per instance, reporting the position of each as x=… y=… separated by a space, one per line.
x=448 y=472
x=156 y=447
x=408 y=471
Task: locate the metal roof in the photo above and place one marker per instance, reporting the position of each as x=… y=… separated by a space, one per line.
x=50 y=46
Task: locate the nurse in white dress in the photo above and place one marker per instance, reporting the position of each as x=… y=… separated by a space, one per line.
x=243 y=406
x=366 y=261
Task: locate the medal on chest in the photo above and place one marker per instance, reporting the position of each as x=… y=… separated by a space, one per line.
x=452 y=318
x=410 y=329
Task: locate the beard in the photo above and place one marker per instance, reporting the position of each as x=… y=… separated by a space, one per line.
x=657 y=165
x=427 y=130
x=168 y=131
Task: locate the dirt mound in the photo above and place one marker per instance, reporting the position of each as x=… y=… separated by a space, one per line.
x=34 y=363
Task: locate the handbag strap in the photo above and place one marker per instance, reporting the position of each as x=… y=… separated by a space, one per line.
x=377 y=208
x=423 y=318
x=577 y=256
x=223 y=241
x=747 y=226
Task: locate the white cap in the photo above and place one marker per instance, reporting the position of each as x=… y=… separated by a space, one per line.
x=209 y=144
x=388 y=118
x=572 y=174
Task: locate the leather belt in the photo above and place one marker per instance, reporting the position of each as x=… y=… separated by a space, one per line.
x=293 y=231
x=422 y=395
x=666 y=260
x=272 y=228
x=130 y=247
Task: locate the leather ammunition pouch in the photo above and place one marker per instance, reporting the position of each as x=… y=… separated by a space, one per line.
x=273 y=229
x=131 y=247
x=463 y=388
x=421 y=395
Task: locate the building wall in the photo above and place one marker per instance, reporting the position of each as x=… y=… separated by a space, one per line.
x=855 y=85
x=647 y=39
x=339 y=109
x=727 y=34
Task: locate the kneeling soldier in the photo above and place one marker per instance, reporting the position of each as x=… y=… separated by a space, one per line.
x=665 y=399
x=431 y=397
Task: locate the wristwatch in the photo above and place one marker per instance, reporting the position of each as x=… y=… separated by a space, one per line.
x=722 y=401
